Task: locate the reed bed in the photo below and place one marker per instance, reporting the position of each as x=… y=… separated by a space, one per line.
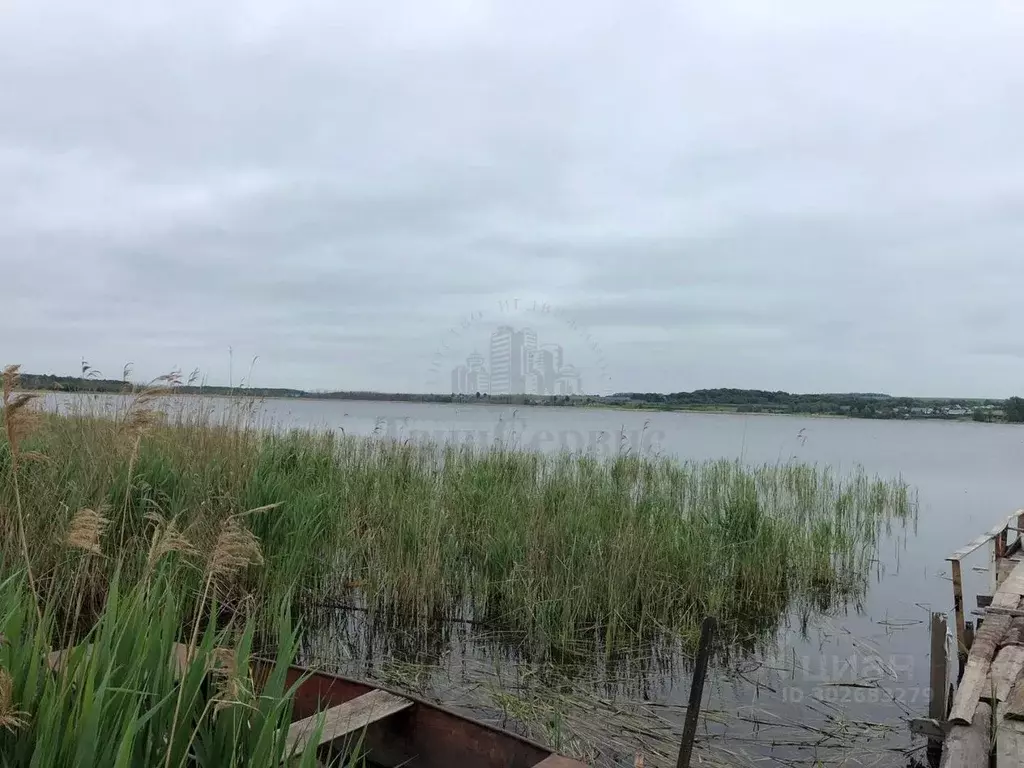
x=113 y=651
x=554 y=547
x=113 y=510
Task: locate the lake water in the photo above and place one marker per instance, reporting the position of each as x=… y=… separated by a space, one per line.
x=783 y=706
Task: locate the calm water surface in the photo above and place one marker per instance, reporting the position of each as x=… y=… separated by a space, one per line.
x=791 y=705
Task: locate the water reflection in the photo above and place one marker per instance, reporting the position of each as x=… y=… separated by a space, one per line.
x=607 y=706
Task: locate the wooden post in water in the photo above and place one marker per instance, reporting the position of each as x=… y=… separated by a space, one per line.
x=958 y=607
x=961 y=657
x=700 y=671
x=938 y=680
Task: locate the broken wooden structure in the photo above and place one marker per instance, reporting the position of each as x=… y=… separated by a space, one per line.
x=982 y=724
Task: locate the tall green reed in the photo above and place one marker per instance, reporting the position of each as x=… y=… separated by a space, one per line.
x=549 y=546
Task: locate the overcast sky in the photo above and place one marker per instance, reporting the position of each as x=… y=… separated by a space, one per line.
x=805 y=195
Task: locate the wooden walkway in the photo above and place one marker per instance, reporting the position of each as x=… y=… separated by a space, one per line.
x=985 y=723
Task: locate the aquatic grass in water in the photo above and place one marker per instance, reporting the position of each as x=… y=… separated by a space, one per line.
x=551 y=547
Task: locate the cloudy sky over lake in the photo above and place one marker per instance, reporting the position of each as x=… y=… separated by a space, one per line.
x=811 y=196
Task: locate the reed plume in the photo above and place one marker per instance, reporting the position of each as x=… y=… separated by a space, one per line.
x=86 y=531
x=236 y=548
x=11 y=718
x=233 y=685
x=167 y=538
x=19 y=422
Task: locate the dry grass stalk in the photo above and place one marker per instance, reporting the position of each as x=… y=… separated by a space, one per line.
x=236 y=548
x=167 y=538
x=11 y=719
x=233 y=685
x=86 y=531
x=19 y=419
x=140 y=416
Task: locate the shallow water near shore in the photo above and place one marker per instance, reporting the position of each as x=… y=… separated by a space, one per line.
x=829 y=685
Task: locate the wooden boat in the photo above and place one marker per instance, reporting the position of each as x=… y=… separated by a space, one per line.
x=389 y=729
x=394 y=729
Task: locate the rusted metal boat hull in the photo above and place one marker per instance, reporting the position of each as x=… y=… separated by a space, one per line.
x=422 y=736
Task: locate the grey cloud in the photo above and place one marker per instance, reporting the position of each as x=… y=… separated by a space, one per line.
x=720 y=192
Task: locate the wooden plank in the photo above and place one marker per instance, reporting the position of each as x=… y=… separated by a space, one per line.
x=939 y=668
x=969 y=746
x=972 y=686
x=1006 y=668
x=1015 y=634
x=1014 y=549
x=1009 y=743
x=974 y=682
x=1004 y=567
x=1014 y=709
x=1010 y=591
x=1007 y=612
x=989 y=636
x=964 y=551
x=958 y=607
x=344 y=719
x=998 y=528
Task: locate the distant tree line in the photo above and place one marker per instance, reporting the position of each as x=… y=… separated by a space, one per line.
x=870 y=405
x=1015 y=410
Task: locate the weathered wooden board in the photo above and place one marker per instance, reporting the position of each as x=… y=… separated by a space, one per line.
x=344 y=719
x=1004 y=568
x=989 y=636
x=1015 y=613
x=1014 y=708
x=958 y=608
x=971 y=689
x=1005 y=670
x=975 y=678
x=1009 y=743
x=1015 y=634
x=969 y=746
x=1010 y=591
x=964 y=551
x=938 y=668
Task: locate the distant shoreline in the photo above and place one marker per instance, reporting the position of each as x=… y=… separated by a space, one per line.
x=532 y=401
